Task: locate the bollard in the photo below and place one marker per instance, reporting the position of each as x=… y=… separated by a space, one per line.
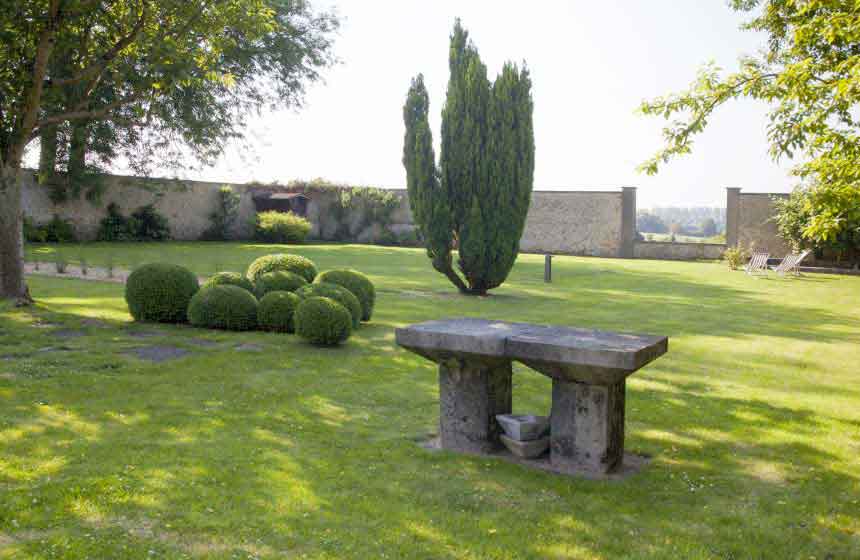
x=547 y=268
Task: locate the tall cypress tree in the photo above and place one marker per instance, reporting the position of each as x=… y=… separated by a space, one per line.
x=478 y=198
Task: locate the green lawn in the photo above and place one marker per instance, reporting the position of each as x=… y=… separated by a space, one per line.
x=284 y=450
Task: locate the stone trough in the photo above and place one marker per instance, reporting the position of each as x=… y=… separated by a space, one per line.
x=588 y=369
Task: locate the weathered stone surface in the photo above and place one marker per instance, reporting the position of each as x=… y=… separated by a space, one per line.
x=471 y=394
x=526 y=449
x=523 y=427
x=440 y=340
x=587 y=426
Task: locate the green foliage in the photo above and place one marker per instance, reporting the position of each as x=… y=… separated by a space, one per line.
x=224 y=216
x=480 y=195
x=145 y=224
x=278 y=281
x=225 y=307
x=281 y=227
x=229 y=278
x=337 y=293
x=800 y=215
x=57 y=230
x=736 y=257
x=277 y=311
x=809 y=75
x=160 y=292
x=357 y=283
x=296 y=264
x=323 y=321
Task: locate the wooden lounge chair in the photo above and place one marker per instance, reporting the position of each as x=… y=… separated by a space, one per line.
x=757 y=264
x=790 y=263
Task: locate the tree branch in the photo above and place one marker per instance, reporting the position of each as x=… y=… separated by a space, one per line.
x=77 y=114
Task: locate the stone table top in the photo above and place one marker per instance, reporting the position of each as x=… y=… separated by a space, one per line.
x=549 y=349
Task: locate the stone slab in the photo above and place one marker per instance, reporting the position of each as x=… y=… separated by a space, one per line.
x=526 y=449
x=572 y=354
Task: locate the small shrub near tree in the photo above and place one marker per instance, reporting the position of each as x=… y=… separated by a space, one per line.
x=357 y=283
x=160 y=292
x=296 y=264
x=229 y=278
x=281 y=227
x=337 y=293
x=225 y=307
x=276 y=312
x=145 y=224
x=323 y=321
x=57 y=230
x=278 y=281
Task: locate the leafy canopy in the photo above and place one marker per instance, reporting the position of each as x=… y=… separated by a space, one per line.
x=809 y=72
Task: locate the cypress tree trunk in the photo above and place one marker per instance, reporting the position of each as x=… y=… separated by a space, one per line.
x=78 y=151
x=47 y=153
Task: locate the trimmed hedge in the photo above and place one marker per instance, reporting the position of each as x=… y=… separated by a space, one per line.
x=278 y=281
x=281 y=227
x=277 y=311
x=337 y=293
x=357 y=283
x=289 y=263
x=223 y=307
x=229 y=279
x=322 y=320
x=160 y=293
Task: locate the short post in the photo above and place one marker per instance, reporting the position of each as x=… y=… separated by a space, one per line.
x=547 y=269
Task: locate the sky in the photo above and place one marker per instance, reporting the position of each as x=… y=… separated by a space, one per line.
x=592 y=63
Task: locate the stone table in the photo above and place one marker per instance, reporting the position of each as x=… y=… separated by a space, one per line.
x=588 y=369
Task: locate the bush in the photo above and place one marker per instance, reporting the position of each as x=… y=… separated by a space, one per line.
x=224 y=216
x=278 y=281
x=145 y=224
x=357 y=283
x=223 y=307
x=288 y=263
x=322 y=320
x=276 y=312
x=229 y=279
x=150 y=225
x=337 y=293
x=160 y=292
x=281 y=227
x=57 y=230
x=736 y=257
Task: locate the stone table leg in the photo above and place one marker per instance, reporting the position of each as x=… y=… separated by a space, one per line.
x=587 y=426
x=471 y=393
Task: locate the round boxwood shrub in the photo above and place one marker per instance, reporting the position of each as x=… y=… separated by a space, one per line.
x=322 y=320
x=337 y=293
x=278 y=281
x=357 y=283
x=296 y=264
x=276 y=312
x=160 y=292
x=230 y=279
x=223 y=307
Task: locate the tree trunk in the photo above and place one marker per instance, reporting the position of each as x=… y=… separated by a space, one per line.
x=47 y=153
x=12 y=285
x=78 y=150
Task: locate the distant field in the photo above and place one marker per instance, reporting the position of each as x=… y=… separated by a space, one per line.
x=667 y=238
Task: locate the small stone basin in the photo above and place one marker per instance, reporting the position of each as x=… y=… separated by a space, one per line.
x=526 y=449
x=523 y=427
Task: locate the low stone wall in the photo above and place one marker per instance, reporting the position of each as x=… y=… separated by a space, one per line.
x=678 y=251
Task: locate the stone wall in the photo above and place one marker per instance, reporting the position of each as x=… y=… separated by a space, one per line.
x=678 y=251
x=574 y=223
x=749 y=221
x=598 y=223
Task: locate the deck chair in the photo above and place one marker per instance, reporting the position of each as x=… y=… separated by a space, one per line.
x=790 y=263
x=757 y=264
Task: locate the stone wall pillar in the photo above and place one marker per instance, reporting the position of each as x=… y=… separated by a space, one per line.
x=628 y=222
x=587 y=426
x=471 y=394
x=733 y=215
